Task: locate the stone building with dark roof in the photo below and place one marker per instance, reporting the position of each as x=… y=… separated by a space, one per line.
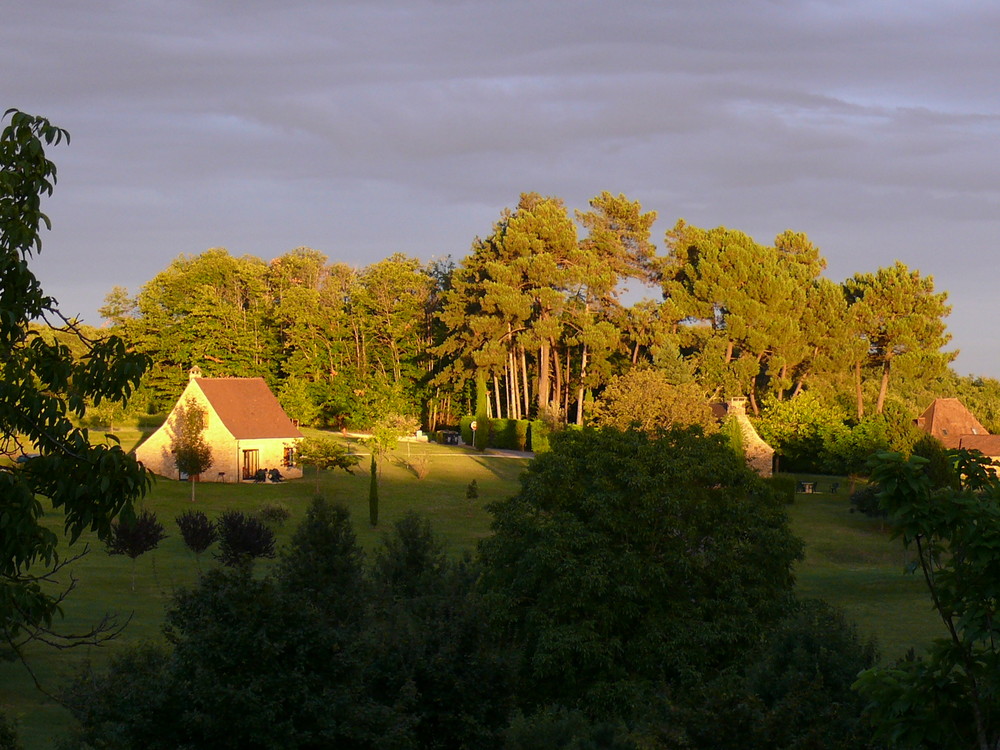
x=246 y=429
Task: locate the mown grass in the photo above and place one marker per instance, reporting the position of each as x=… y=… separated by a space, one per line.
x=850 y=560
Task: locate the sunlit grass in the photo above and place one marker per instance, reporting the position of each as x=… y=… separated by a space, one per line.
x=852 y=562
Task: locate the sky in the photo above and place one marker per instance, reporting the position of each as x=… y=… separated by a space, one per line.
x=362 y=129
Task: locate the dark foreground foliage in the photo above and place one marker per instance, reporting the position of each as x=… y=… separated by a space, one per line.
x=243 y=538
x=636 y=593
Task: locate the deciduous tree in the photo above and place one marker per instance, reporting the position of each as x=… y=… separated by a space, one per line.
x=950 y=696
x=325 y=453
x=192 y=453
x=630 y=562
x=45 y=391
x=645 y=399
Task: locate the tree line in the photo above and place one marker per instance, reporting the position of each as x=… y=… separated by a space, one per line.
x=531 y=324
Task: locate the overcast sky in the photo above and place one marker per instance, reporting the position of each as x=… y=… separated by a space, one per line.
x=367 y=128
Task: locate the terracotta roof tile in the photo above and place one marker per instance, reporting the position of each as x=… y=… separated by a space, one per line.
x=988 y=445
x=247 y=408
x=948 y=420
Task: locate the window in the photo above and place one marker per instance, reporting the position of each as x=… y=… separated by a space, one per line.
x=289 y=459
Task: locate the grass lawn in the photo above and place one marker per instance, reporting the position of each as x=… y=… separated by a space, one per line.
x=851 y=562
x=849 y=559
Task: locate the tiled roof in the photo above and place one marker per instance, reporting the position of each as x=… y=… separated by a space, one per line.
x=949 y=421
x=988 y=445
x=247 y=408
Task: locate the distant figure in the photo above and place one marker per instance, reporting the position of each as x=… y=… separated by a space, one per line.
x=260 y=476
x=274 y=475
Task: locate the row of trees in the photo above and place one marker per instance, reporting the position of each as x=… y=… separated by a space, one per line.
x=530 y=324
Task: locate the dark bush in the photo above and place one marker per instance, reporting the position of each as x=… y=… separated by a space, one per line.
x=243 y=538
x=866 y=501
x=135 y=537
x=783 y=486
x=274 y=513
x=198 y=532
x=8 y=735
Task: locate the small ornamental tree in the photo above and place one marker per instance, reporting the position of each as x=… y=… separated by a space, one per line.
x=191 y=453
x=243 y=538
x=326 y=453
x=198 y=532
x=135 y=537
x=385 y=433
x=373 y=493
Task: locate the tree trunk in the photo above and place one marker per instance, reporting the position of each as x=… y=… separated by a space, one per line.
x=543 y=377
x=857 y=389
x=497 y=396
x=884 y=387
x=583 y=376
x=524 y=383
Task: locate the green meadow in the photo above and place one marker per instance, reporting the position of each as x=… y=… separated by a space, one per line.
x=850 y=560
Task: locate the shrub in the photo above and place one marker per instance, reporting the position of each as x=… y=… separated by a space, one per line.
x=197 y=531
x=8 y=735
x=472 y=491
x=465 y=427
x=503 y=433
x=783 y=486
x=866 y=501
x=243 y=538
x=521 y=427
x=538 y=436
x=274 y=513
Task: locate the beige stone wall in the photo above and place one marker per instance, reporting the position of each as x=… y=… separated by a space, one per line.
x=270 y=455
x=155 y=453
x=760 y=455
x=227 y=452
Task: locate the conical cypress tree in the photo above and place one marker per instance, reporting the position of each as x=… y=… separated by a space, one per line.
x=373 y=494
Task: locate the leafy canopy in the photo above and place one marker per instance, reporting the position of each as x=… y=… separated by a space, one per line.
x=43 y=389
x=629 y=561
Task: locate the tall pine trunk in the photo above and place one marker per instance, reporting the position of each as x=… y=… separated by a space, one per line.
x=883 y=389
x=857 y=389
x=543 y=377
